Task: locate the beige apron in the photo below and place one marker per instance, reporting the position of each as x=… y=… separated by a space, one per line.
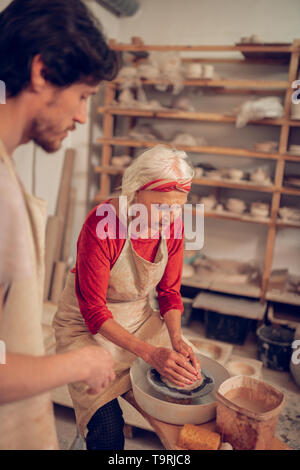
x=28 y=424
x=131 y=280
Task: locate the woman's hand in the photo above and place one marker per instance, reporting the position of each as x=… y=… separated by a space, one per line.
x=173 y=365
x=183 y=348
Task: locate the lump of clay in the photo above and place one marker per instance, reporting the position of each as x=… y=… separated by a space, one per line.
x=186 y=387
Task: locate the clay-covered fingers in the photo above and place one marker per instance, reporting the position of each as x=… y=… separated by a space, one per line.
x=180 y=368
x=173 y=366
x=186 y=365
x=195 y=362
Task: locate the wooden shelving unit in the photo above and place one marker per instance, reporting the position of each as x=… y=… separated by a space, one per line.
x=110 y=112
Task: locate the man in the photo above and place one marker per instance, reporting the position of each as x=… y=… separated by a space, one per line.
x=52 y=59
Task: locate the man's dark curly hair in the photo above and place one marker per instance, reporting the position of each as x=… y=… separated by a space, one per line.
x=66 y=35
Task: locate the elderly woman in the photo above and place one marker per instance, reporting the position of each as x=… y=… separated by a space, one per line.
x=106 y=297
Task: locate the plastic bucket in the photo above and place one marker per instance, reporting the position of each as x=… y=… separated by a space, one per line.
x=274 y=346
x=247 y=412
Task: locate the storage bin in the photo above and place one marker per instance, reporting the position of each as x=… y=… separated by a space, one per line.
x=274 y=346
x=247 y=412
x=228 y=328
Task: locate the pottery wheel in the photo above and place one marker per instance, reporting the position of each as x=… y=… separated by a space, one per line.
x=203 y=387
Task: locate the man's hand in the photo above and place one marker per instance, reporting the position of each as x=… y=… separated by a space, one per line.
x=98 y=364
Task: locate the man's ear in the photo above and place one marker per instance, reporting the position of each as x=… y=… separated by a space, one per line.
x=38 y=82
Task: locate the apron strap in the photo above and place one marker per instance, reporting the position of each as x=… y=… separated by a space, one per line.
x=8 y=163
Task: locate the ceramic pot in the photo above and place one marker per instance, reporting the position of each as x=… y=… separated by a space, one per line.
x=194 y=70
x=208 y=71
x=235 y=174
x=259 y=176
x=209 y=202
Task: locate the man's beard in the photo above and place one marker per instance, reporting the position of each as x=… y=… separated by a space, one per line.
x=48 y=146
x=39 y=135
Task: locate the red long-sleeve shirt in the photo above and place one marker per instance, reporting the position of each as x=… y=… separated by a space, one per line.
x=96 y=257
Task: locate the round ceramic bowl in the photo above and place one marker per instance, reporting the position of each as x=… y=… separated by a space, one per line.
x=240 y=368
x=259 y=213
x=210 y=350
x=236 y=175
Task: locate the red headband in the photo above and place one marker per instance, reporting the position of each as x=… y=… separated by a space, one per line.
x=165 y=185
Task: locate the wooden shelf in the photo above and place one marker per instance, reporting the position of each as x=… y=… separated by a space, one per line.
x=291 y=191
x=140 y=46
x=284 y=297
x=227 y=183
x=191 y=116
x=223 y=183
x=235 y=217
x=109 y=169
x=245 y=84
x=244 y=290
x=231 y=151
x=282 y=224
x=216 y=86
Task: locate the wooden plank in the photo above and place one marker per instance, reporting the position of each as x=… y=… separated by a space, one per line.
x=63 y=198
x=243 y=290
x=232 y=151
x=234 y=217
x=192 y=116
x=54 y=226
x=279 y=174
x=292 y=191
x=59 y=275
x=113 y=170
x=202 y=82
x=281 y=224
x=290 y=298
x=108 y=128
x=169 y=433
x=243 y=61
x=231 y=184
x=206 y=48
x=69 y=226
x=227 y=305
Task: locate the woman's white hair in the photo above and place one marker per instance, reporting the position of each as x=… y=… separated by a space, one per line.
x=156 y=163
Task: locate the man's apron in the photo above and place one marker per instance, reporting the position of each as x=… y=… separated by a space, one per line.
x=28 y=424
x=132 y=278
